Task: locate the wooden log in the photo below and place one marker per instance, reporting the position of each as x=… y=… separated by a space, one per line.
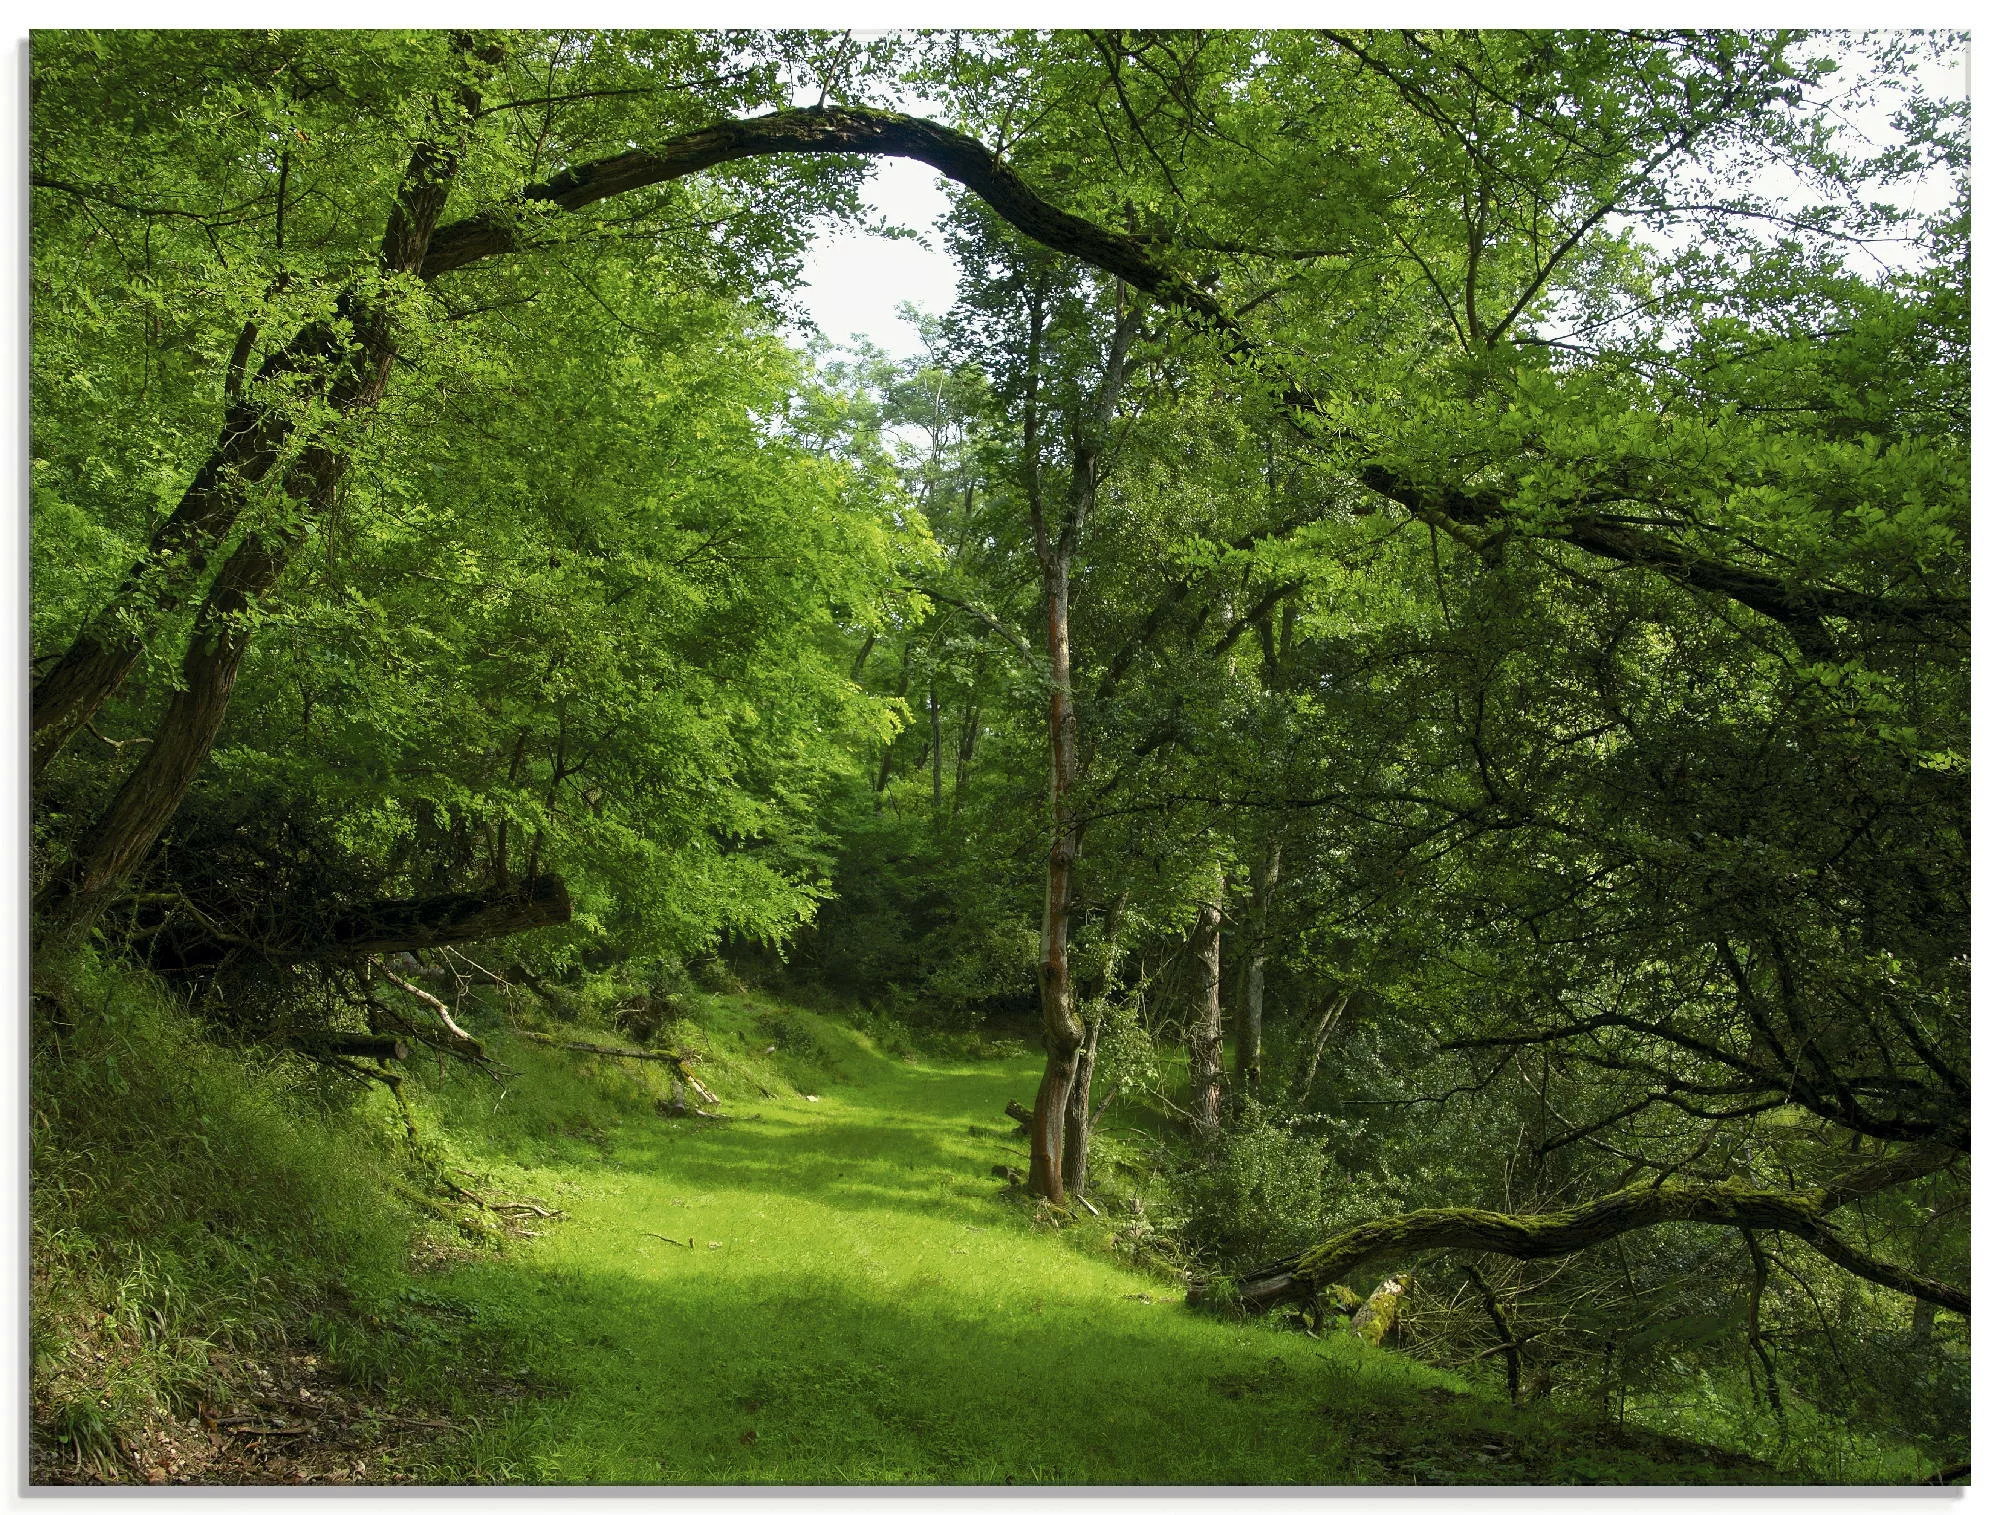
x=352 y=1044
x=367 y=930
x=440 y=920
x=1021 y=1113
x=1276 y=1285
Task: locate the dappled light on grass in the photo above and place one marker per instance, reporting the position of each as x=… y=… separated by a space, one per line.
x=838 y=1291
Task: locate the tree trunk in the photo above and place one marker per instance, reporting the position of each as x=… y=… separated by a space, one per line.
x=1205 y=1076
x=1329 y=1021
x=1250 y=1005
x=1062 y=1029
x=1753 y=1330
x=152 y=792
x=1510 y=1344
x=937 y=753
x=1077 y=1115
x=93 y=669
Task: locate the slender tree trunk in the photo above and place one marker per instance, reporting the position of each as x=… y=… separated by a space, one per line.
x=937 y=753
x=1062 y=1029
x=1329 y=1021
x=1250 y=1004
x=889 y=748
x=1077 y=1114
x=968 y=737
x=1205 y=1076
x=1760 y=1274
x=1503 y=1327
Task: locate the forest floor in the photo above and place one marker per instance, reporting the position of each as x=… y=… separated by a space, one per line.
x=825 y=1283
x=833 y=1288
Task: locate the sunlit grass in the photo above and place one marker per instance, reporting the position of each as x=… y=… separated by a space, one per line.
x=838 y=1291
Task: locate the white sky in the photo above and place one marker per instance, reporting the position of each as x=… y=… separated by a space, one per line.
x=854 y=281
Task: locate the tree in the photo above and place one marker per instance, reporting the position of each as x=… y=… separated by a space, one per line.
x=1581 y=615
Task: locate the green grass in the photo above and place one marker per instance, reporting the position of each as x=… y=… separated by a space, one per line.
x=863 y=1303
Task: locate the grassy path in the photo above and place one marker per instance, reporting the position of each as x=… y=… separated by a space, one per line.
x=861 y=1305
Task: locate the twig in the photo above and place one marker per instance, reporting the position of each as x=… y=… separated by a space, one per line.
x=437 y=1005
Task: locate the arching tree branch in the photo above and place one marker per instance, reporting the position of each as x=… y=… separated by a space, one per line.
x=1799 y=608
x=1560 y=1232
x=822 y=130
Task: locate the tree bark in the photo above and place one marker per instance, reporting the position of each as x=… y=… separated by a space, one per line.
x=1062 y=1028
x=1205 y=1075
x=1077 y=1115
x=1560 y=1232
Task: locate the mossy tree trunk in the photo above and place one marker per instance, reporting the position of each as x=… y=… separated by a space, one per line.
x=1557 y=1233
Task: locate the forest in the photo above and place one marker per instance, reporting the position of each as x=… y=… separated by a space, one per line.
x=1328 y=844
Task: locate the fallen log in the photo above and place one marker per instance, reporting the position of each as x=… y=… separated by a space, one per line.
x=352 y=1044
x=1375 y=1322
x=440 y=920
x=187 y=941
x=1021 y=1113
x=1272 y=1285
